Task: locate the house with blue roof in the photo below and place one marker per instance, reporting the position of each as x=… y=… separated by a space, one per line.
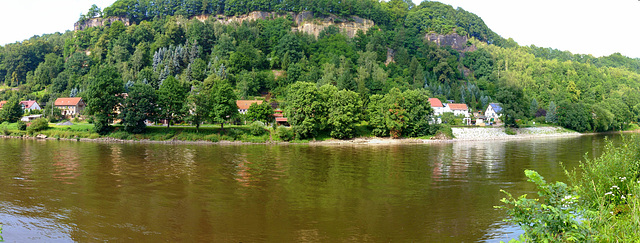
x=494 y=111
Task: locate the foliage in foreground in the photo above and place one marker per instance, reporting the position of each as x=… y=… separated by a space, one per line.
x=601 y=206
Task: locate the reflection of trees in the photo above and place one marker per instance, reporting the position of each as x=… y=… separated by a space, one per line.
x=434 y=192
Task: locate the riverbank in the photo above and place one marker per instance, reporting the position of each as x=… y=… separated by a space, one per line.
x=461 y=135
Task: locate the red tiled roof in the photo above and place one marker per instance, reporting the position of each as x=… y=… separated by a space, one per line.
x=68 y=101
x=2 y=103
x=454 y=106
x=277 y=115
x=435 y=102
x=281 y=119
x=278 y=111
x=27 y=104
x=244 y=104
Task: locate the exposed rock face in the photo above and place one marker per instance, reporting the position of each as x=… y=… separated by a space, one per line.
x=95 y=22
x=455 y=41
x=305 y=22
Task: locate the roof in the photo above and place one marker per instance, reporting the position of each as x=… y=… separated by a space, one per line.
x=496 y=107
x=281 y=119
x=2 y=103
x=27 y=104
x=244 y=104
x=278 y=115
x=68 y=101
x=454 y=106
x=435 y=102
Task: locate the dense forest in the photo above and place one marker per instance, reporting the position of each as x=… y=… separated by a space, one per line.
x=188 y=69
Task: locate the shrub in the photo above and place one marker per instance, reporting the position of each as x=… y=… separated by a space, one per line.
x=38 y=125
x=445 y=130
x=22 y=126
x=540 y=120
x=256 y=128
x=509 y=131
x=601 y=206
x=286 y=134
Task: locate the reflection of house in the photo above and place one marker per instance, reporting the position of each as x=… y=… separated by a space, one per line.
x=493 y=111
x=437 y=106
x=30 y=105
x=70 y=106
x=243 y=105
x=459 y=109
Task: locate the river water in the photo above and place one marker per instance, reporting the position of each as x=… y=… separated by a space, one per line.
x=65 y=191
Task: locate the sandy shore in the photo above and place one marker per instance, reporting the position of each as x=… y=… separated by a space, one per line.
x=461 y=134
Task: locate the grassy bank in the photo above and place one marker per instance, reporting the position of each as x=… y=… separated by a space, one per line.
x=210 y=133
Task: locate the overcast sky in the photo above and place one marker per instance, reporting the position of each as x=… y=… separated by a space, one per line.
x=585 y=27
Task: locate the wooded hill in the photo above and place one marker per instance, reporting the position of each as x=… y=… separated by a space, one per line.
x=264 y=56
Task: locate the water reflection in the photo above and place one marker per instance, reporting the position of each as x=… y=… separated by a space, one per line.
x=129 y=192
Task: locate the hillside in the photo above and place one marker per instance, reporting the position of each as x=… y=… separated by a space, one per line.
x=364 y=46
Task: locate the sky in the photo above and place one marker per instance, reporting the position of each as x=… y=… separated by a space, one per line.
x=592 y=27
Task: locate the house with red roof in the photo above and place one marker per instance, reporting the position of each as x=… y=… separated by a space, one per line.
x=437 y=106
x=2 y=103
x=70 y=106
x=30 y=105
x=243 y=105
x=459 y=109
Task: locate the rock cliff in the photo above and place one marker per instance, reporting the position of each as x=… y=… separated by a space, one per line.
x=455 y=41
x=95 y=22
x=304 y=21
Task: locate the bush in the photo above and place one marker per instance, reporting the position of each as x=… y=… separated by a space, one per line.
x=509 y=131
x=286 y=134
x=38 y=125
x=540 y=120
x=601 y=206
x=444 y=130
x=256 y=128
x=22 y=126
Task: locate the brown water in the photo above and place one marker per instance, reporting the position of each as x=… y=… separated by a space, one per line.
x=62 y=191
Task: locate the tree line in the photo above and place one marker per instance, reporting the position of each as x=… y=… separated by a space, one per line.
x=390 y=66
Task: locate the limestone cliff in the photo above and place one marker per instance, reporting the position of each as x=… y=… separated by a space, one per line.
x=95 y=22
x=304 y=21
x=455 y=41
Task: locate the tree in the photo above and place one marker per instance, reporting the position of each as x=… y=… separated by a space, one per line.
x=551 y=113
x=575 y=116
x=301 y=108
x=262 y=112
x=533 y=108
x=513 y=104
x=104 y=95
x=171 y=99
x=199 y=105
x=139 y=106
x=11 y=111
x=418 y=112
x=223 y=102
x=344 y=113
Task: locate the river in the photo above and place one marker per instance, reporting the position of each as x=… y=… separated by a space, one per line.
x=65 y=191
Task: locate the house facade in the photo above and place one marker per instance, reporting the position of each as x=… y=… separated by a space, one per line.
x=70 y=106
x=459 y=109
x=30 y=105
x=494 y=111
x=437 y=106
x=243 y=105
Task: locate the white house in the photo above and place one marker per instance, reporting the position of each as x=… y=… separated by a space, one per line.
x=437 y=106
x=494 y=111
x=30 y=105
x=459 y=109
